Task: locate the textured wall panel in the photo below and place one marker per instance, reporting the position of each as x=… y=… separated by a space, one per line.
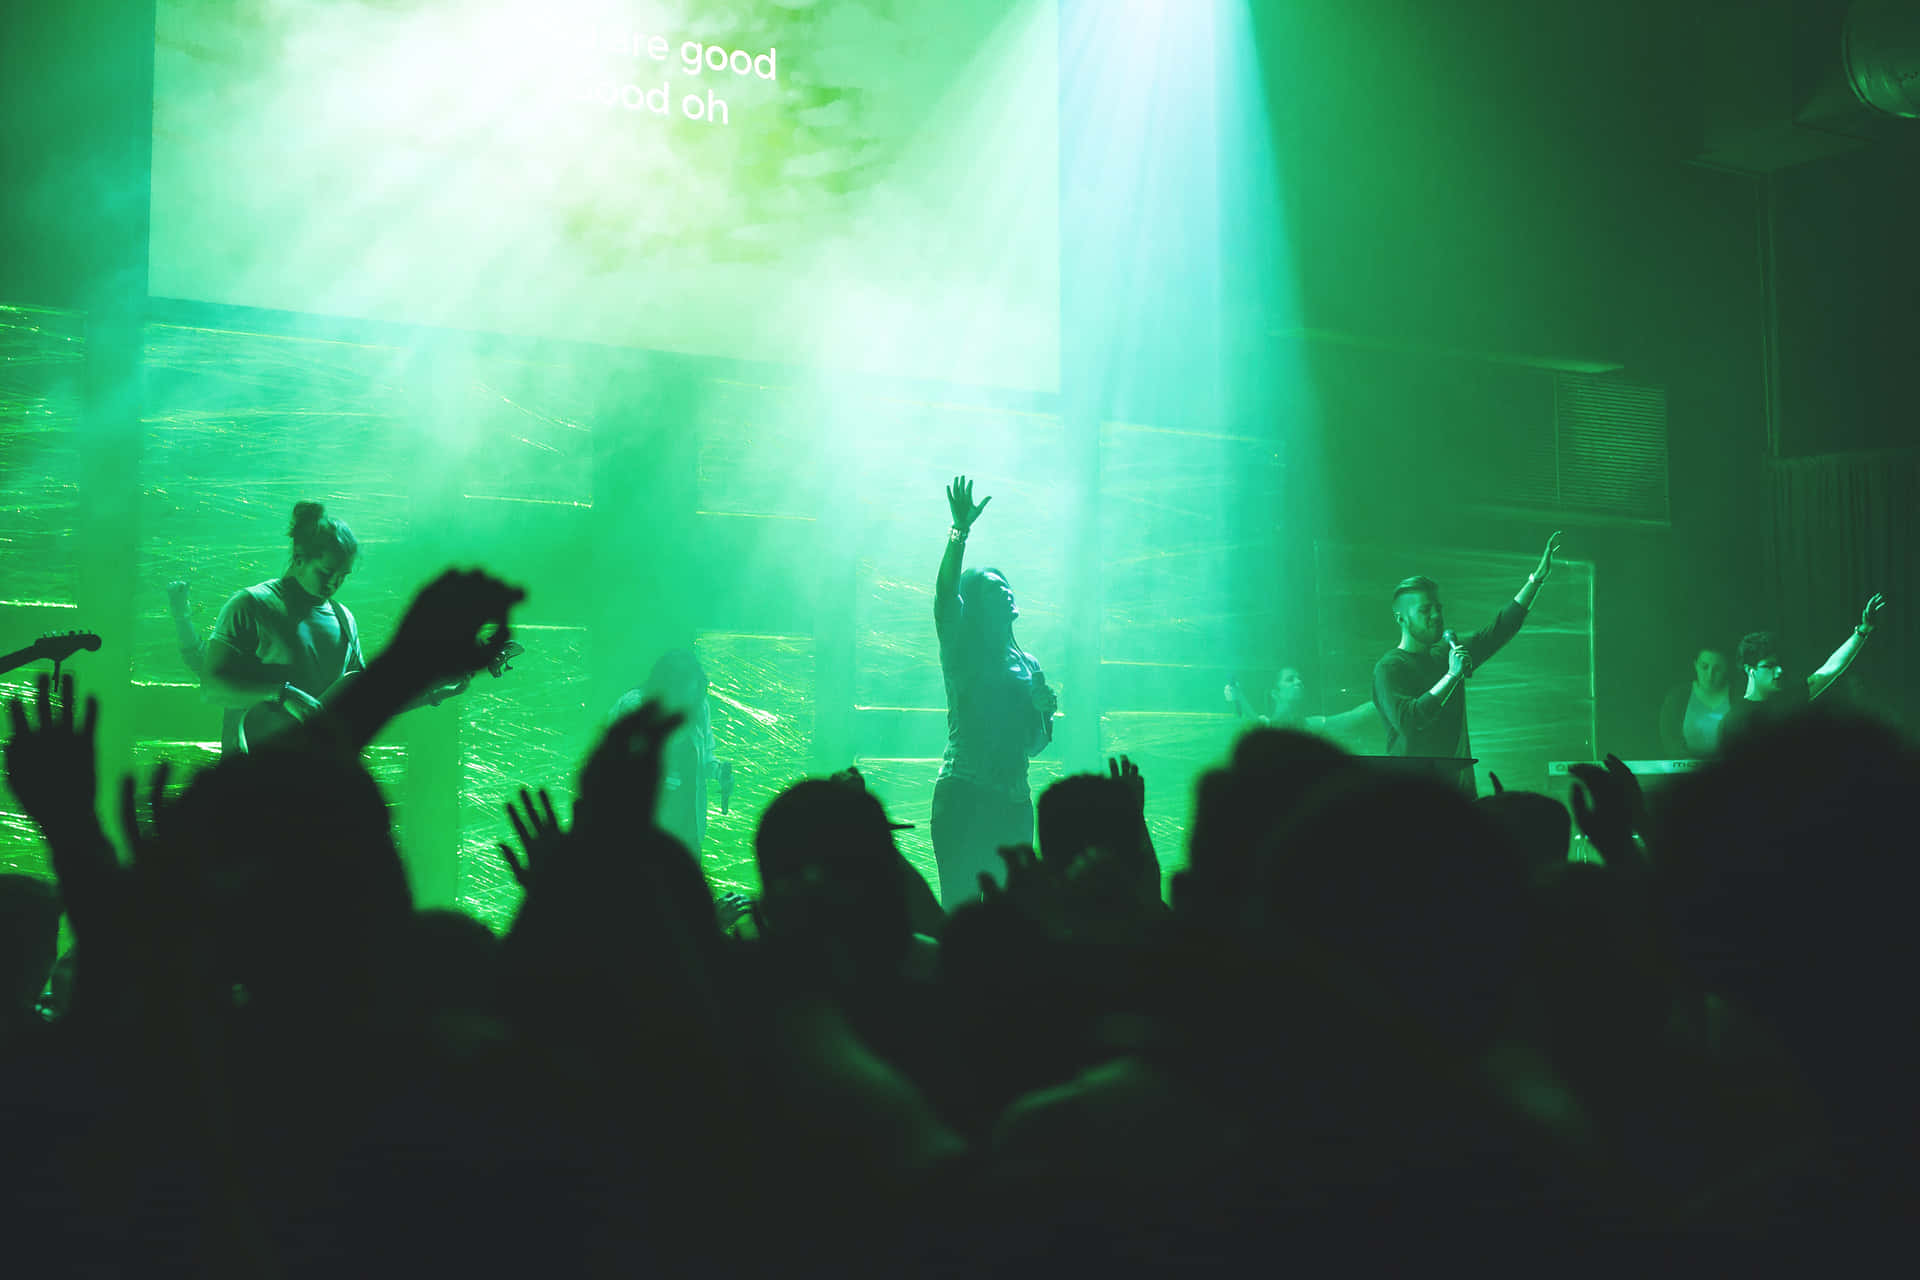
x=530 y=728
x=763 y=709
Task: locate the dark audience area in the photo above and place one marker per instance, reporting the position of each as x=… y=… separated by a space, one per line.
x=1377 y=1014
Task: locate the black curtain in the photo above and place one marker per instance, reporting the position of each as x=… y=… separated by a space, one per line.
x=1845 y=526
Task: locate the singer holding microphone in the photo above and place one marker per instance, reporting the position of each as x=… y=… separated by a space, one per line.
x=1419 y=686
x=999 y=714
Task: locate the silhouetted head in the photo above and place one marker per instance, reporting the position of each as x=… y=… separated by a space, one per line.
x=1600 y=971
x=29 y=939
x=1760 y=660
x=1416 y=608
x=987 y=604
x=452 y=961
x=306 y=890
x=1790 y=861
x=829 y=870
x=923 y=908
x=1236 y=808
x=1403 y=878
x=1539 y=826
x=1710 y=670
x=324 y=550
x=677 y=680
x=1088 y=811
x=615 y=944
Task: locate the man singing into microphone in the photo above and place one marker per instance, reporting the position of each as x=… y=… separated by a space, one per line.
x=1418 y=687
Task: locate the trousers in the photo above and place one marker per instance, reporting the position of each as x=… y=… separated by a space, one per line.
x=970 y=824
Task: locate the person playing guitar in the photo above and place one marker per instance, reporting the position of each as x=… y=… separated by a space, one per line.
x=284 y=643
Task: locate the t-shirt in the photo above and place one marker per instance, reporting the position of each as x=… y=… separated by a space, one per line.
x=992 y=725
x=1744 y=715
x=1700 y=723
x=1420 y=725
x=298 y=638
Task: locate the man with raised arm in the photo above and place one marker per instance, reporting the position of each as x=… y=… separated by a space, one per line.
x=1419 y=686
x=1769 y=694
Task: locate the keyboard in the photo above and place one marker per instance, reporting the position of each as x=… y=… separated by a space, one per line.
x=1642 y=768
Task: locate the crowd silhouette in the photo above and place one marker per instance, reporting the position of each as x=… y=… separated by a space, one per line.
x=1375 y=1012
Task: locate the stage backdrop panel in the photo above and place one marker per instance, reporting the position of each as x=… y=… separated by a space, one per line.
x=1190 y=572
x=763 y=711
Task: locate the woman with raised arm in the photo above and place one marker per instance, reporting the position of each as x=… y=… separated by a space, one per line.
x=999 y=714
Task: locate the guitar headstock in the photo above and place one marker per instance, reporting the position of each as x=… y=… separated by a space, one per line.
x=63 y=645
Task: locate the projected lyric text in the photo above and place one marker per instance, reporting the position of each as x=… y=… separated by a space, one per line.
x=628 y=60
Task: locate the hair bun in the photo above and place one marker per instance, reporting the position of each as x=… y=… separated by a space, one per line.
x=306 y=517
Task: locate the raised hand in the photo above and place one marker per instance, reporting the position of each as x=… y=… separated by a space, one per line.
x=1874 y=606
x=1127 y=772
x=1608 y=807
x=455 y=626
x=1096 y=899
x=730 y=908
x=621 y=779
x=1546 y=557
x=50 y=758
x=177 y=596
x=539 y=832
x=141 y=834
x=1025 y=875
x=960 y=503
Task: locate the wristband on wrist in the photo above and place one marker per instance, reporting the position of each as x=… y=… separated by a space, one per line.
x=1863 y=631
x=956 y=534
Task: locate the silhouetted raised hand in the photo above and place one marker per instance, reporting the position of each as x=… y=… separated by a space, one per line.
x=138 y=832
x=1095 y=899
x=539 y=832
x=1126 y=771
x=455 y=626
x=621 y=781
x=730 y=908
x=1609 y=808
x=52 y=770
x=50 y=758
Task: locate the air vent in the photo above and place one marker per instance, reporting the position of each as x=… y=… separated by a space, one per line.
x=1611 y=438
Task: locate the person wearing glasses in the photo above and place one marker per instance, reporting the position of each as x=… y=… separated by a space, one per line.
x=1769 y=694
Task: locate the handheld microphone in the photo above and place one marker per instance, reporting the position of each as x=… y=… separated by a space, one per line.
x=1452 y=638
